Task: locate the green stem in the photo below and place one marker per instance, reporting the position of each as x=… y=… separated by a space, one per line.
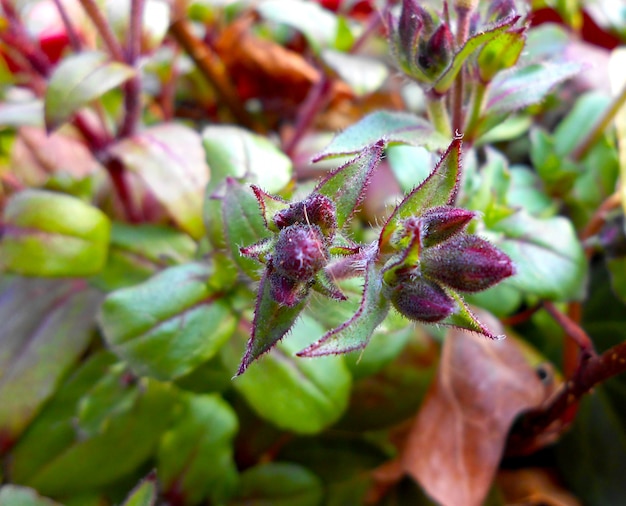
x=104 y=29
x=438 y=115
x=598 y=129
x=464 y=13
x=473 y=120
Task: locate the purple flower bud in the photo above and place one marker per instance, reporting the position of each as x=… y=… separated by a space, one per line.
x=412 y=19
x=434 y=56
x=440 y=223
x=466 y=263
x=286 y=291
x=300 y=252
x=316 y=209
x=422 y=300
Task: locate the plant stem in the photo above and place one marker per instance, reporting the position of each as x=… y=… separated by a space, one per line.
x=373 y=23
x=132 y=89
x=72 y=35
x=478 y=98
x=213 y=71
x=463 y=22
x=103 y=28
x=598 y=129
x=571 y=328
x=438 y=114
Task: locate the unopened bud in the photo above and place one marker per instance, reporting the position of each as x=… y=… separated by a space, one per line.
x=316 y=209
x=284 y=290
x=466 y=263
x=440 y=223
x=300 y=252
x=434 y=56
x=422 y=300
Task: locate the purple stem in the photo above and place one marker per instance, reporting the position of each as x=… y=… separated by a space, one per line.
x=69 y=27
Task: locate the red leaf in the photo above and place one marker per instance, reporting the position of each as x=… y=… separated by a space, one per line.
x=458 y=438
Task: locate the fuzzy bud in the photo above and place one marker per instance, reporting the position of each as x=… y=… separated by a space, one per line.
x=433 y=57
x=316 y=209
x=284 y=290
x=466 y=263
x=440 y=223
x=422 y=300
x=300 y=252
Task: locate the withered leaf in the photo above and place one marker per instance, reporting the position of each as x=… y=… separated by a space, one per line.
x=458 y=437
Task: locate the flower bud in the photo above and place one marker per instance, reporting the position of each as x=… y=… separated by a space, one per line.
x=434 y=56
x=466 y=263
x=316 y=209
x=300 y=252
x=440 y=223
x=284 y=290
x=500 y=9
x=422 y=300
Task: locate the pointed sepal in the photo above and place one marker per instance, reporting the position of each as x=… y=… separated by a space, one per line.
x=325 y=285
x=270 y=205
x=463 y=318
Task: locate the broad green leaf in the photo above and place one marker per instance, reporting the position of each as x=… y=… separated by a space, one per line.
x=346 y=185
x=79 y=80
x=355 y=333
x=125 y=444
x=14 y=495
x=46 y=326
x=363 y=74
x=500 y=53
x=168 y=325
x=271 y=322
x=473 y=44
x=243 y=224
x=138 y=251
x=144 y=494
x=517 y=88
x=51 y=234
x=439 y=188
x=318 y=25
x=195 y=456
x=525 y=190
x=235 y=152
x=170 y=160
x=278 y=484
x=548 y=257
x=410 y=165
x=388 y=126
x=300 y=395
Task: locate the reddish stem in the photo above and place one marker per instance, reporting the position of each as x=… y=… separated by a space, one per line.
x=72 y=34
x=571 y=328
x=101 y=24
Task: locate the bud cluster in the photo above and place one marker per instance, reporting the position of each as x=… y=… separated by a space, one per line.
x=437 y=256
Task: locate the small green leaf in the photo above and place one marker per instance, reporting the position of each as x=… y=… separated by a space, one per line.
x=77 y=81
x=195 y=456
x=517 y=88
x=278 y=484
x=346 y=185
x=500 y=53
x=463 y=318
x=14 y=495
x=294 y=394
x=271 y=322
x=243 y=223
x=168 y=325
x=235 y=152
x=438 y=189
x=170 y=160
x=388 y=126
x=144 y=494
x=548 y=257
x=473 y=44
x=51 y=234
x=46 y=326
x=355 y=333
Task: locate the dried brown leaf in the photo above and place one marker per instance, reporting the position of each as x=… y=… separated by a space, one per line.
x=458 y=437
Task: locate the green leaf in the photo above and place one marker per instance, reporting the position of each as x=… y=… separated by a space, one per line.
x=51 y=234
x=473 y=44
x=317 y=24
x=46 y=326
x=168 y=325
x=299 y=395
x=243 y=224
x=410 y=165
x=463 y=318
x=170 y=160
x=617 y=269
x=195 y=456
x=271 y=322
x=439 y=188
x=278 y=484
x=80 y=79
x=235 y=152
x=548 y=257
x=517 y=88
x=363 y=74
x=355 y=333
x=500 y=53
x=144 y=494
x=346 y=185
x=126 y=443
x=388 y=126
x=14 y=495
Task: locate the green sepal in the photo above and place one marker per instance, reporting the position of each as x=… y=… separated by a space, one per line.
x=500 y=53
x=145 y=493
x=463 y=318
